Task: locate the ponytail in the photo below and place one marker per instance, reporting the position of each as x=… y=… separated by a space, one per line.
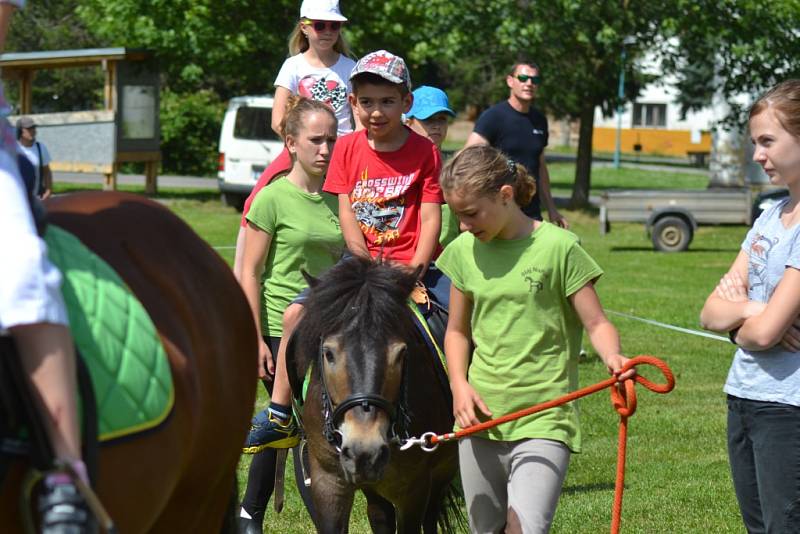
x=483 y=170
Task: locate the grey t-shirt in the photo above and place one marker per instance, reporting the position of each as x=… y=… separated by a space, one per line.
x=771 y=375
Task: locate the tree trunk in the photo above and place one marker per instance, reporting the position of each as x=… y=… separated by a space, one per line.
x=726 y=165
x=583 y=167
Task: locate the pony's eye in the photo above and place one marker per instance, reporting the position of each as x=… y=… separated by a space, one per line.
x=328 y=355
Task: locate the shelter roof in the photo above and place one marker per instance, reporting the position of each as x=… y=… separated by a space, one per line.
x=50 y=59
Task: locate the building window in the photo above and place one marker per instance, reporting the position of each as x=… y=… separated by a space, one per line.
x=650 y=115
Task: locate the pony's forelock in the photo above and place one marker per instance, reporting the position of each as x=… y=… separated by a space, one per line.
x=345 y=292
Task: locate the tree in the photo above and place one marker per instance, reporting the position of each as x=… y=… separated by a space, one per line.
x=577 y=45
x=208 y=51
x=232 y=48
x=53 y=25
x=724 y=53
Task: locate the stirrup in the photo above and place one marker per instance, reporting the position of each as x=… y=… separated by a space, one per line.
x=64 y=511
x=97 y=513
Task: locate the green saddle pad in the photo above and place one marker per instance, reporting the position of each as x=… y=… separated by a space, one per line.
x=117 y=339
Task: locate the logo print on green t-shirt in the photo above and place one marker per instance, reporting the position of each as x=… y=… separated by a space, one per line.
x=534 y=276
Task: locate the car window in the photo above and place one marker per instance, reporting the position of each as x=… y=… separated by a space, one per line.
x=254 y=123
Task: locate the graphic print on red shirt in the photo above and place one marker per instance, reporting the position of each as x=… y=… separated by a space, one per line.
x=386 y=190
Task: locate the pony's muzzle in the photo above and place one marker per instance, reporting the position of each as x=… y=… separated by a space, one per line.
x=364 y=451
x=364 y=463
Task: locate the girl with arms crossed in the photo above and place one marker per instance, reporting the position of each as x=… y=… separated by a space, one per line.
x=758 y=302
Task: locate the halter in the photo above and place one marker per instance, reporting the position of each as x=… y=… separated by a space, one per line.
x=399 y=414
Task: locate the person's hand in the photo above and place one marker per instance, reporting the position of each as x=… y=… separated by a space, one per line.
x=615 y=363
x=266 y=367
x=558 y=219
x=465 y=399
x=791 y=339
x=732 y=288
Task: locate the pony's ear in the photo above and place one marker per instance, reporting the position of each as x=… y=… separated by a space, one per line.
x=296 y=365
x=310 y=279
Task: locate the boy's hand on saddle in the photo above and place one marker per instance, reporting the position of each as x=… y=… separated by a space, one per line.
x=465 y=399
x=266 y=367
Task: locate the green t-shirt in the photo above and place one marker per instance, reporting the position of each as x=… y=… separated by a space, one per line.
x=450 y=226
x=305 y=235
x=526 y=333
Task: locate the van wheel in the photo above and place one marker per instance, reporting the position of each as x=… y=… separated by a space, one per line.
x=233 y=200
x=672 y=234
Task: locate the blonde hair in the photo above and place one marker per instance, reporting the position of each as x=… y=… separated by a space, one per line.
x=483 y=170
x=297 y=107
x=784 y=98
x=298 y=42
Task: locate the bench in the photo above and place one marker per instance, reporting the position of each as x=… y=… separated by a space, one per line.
x=697 y=157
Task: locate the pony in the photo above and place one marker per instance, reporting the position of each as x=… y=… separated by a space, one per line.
x=373 y=381
x=180 y=476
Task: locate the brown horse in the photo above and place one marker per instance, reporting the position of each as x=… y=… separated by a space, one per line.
x=373 y=381
x=180 y=476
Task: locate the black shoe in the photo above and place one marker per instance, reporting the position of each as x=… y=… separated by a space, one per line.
x=249 y=526
x=63 y=511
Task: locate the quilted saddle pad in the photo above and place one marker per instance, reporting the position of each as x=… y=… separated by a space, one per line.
x=117 y=339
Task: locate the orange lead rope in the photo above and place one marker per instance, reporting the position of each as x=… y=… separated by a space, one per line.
x=623 y=399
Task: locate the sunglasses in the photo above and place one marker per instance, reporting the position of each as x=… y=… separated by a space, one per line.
x=523 y=78
x=320 y=25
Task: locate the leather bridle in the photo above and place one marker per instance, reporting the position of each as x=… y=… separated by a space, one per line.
x=399 y=415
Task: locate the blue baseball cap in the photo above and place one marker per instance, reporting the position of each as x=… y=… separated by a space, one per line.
x=429 y=101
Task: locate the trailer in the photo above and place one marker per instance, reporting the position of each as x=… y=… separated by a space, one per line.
x=671 y=217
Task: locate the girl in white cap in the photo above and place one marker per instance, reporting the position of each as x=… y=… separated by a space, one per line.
x=319 y=69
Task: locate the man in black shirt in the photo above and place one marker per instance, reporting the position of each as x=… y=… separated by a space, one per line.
x=521 y=132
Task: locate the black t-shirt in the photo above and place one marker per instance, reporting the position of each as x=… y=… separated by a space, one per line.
x=521 y=136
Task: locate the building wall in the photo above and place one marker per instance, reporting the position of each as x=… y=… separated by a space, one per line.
x=677 y=137
x=653 y=141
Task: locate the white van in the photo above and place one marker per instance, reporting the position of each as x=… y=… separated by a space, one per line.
x=247 y=145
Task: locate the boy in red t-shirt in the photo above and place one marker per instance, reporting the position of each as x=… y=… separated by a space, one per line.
x=386 y=176
x=387 y=179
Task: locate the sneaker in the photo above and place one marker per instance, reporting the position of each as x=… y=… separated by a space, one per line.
x=267 y=432
x=63 y=510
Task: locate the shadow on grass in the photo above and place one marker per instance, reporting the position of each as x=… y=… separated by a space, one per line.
x=688 y=251
x=586 y=488
x=564 y=203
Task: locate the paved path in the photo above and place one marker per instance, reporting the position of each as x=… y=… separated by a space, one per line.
x=138 y=179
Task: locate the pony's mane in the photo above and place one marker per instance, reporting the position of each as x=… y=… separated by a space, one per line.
x=358 y=293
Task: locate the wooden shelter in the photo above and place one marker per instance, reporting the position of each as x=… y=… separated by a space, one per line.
x=126 y=129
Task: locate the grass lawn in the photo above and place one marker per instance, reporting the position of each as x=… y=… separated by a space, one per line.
x=677 y=477
x=562 y=177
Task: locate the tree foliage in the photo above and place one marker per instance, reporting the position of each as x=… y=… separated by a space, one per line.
x=209 y=51
x=232 y=47
x=733 y=48
x=576 y=44
x=53 y=25
x=190 y=124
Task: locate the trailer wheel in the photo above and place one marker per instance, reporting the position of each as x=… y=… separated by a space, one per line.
x=672 y=234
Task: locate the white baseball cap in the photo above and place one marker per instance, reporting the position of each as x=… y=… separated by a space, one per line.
x=321 y=10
